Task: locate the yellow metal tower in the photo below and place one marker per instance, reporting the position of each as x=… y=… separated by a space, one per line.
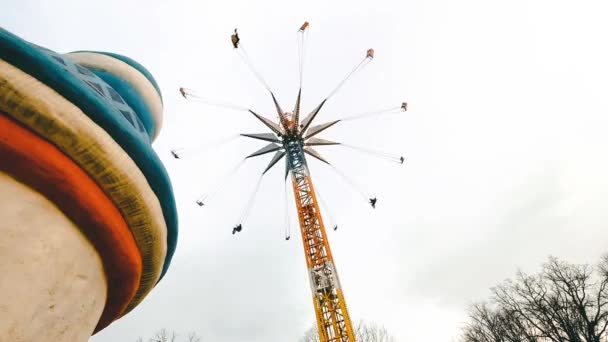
x=333 y=321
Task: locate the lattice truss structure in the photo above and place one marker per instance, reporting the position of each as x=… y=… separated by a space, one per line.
x=292 y=139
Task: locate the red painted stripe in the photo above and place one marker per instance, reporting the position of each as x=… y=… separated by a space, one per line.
x=40 y=165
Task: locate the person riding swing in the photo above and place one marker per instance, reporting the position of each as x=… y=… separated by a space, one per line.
x=235 y=39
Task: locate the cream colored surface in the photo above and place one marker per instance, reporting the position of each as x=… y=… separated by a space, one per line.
x=52 y=283
x=56 y=119
x=129 y=74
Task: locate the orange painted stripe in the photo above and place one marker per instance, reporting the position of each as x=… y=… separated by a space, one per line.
x=40 y=165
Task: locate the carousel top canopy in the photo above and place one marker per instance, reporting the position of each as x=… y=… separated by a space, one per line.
x=77 y=128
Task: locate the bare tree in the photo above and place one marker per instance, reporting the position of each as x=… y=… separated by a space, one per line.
x=165 y=336
x=364 y=332
x=311 y=335
x=193 y=337
x=562 y=303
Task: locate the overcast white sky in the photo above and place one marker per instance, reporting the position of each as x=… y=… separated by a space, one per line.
x=505 y=141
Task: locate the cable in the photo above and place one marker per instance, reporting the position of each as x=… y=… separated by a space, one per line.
x=379 y=154
x=350 y=182
x=302 y=36
x=181 y=152
x=330 y=218
x=247 y=209
x=359 y=67
x=367 y=115
x=191 y=95
x=245 y=57
x=203 y=199
x=287 y=217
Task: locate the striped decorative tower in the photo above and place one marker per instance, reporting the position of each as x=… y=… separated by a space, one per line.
x=88 y=223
